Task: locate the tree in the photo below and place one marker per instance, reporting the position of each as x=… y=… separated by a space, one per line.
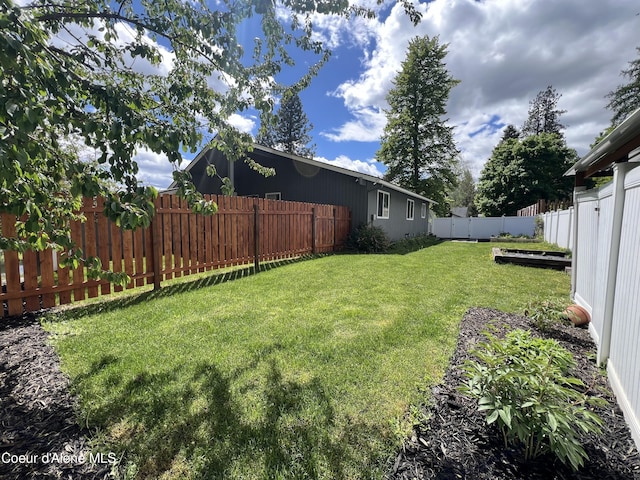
x=92 y=69
x=521 y=172
x=289 y=130
x=417 y=146
x=510 y=131
x=463 y=195
x=625 y=99
x=544 y=116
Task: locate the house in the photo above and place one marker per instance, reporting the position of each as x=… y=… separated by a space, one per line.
x=400 y=212
x=606 y=259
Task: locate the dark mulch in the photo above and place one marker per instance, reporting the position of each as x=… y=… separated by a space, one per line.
x=39 y=434
x=456 y=443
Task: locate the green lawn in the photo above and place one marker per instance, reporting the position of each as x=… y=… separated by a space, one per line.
x=302 y=371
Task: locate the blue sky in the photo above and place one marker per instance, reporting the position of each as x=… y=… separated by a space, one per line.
x=503 y=51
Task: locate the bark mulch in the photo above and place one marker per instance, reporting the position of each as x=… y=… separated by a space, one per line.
x=39 y=433
x=456 y=443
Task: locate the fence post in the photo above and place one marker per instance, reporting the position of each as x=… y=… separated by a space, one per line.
x=156 y=249
x=313 y=230
x=334 y=229
x=256 y=237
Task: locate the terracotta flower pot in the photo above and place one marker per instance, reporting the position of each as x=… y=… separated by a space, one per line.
x=578 y=315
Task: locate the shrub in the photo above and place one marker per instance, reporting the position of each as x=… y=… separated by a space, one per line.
x=369 y=239
x=412 y=244
x=545 y=313
x=521 y=385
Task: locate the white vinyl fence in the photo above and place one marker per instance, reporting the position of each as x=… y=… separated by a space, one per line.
x=606 y=277
x=482 y=228
x=558 y=227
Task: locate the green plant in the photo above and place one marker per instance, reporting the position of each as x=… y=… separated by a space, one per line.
x=521 y=385
x=369 y=239
x=545 y=313
x=538 y=227
x=412 y=244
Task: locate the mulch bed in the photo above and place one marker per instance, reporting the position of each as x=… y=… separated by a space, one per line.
x=39 y=433
x=456 y=442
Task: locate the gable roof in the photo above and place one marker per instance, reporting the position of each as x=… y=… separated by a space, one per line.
x=323 y=165
x=618 y=146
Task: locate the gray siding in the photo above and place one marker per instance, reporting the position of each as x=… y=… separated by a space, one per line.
x=397 y=226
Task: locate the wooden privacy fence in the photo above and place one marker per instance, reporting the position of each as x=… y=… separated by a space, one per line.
x=244 y=231
x=544 y=206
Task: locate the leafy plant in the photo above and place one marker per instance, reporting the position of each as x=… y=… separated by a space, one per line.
x=538 y=227
x=369 y=239
x=545 y=313
x=522 y=386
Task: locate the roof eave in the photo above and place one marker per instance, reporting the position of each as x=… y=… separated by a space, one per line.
x=614 y=148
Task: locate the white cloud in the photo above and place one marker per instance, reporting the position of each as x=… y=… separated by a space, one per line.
x=505 y=52
x=355 y=165
x=244 y=124
x=155 y=168
x=367 y=126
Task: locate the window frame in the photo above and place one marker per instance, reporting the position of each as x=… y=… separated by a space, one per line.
x=270 y=195
x=411 y=209
x=423 y=210
x=380 y=208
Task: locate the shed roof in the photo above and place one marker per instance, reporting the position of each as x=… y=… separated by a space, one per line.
x=324 y=165
x=618 y=146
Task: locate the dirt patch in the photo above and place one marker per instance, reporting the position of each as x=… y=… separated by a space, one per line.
x=39 y=434
x=456 y=442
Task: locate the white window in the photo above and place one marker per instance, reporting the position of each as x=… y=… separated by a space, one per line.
x=272 y=196
x=423 y=211
x=410 y=209
x=383 y=204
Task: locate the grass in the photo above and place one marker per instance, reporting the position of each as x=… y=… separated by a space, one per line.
x=304 y=371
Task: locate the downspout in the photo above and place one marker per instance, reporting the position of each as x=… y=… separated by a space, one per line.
x=619 y=173
x=232 y=176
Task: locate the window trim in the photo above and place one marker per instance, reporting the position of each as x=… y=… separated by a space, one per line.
x=411 y=209
x=380 y=212
x=270 y=195
x=423 y=210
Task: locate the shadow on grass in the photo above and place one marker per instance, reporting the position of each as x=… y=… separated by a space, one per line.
x=190 y=423
x=180 y=286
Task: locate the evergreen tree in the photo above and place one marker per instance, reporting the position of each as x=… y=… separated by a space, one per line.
x=544 y=116
x=625 y=99
x=521 y=172
x=417 y=146
x=289 y=130
x=510 y=131
x=463 y=195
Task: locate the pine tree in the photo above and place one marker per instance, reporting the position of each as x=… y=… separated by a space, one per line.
x=625 y=99
x=417 y=146
x=463 y=195
x=544 y=116
x=289 y=129
x=510 y=131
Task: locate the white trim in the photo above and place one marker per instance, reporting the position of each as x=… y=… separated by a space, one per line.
x=423 y=210
x=411 y=209
x=623 y=402
x=273 y=196
x=380 y=212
